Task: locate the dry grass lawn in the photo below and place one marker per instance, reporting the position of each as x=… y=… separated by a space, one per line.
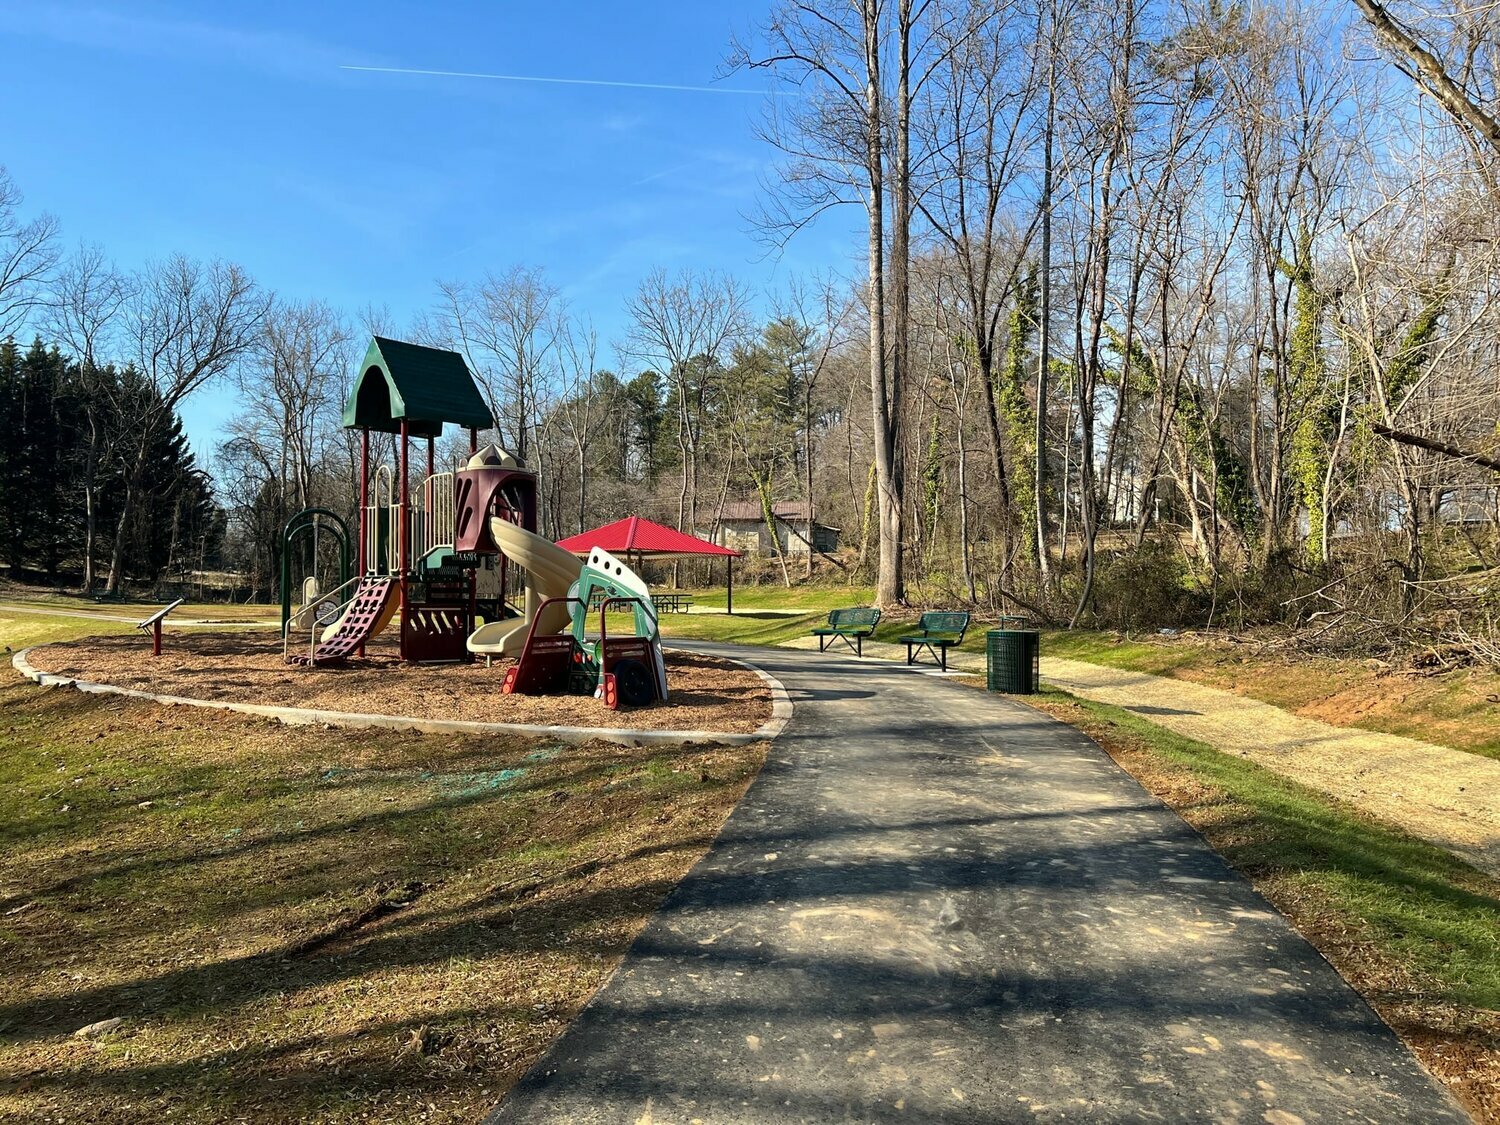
x=303 y=924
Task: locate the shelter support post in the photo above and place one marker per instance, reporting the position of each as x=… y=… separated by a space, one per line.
x=729 y=584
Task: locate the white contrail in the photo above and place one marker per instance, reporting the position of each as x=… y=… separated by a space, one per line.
x=556 y=81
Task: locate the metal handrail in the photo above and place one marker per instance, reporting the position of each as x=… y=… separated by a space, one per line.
x=440 y=514
x=374 y=558
x=312 y=638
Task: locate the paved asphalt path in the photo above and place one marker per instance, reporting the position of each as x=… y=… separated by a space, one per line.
x=938 y=905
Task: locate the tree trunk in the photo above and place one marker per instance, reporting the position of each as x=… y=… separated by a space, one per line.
x=888 y=589
x=963 y=505
x=1044 y=316
x=807 y=458
x=133 y=480
x=90 y=504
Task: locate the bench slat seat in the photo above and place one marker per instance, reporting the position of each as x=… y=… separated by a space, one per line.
x=937 y=632
x=850 y=625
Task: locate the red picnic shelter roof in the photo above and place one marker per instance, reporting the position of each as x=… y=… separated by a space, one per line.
x=643 y=538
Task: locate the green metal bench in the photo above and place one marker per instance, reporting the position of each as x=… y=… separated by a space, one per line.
x=937 y=632
x=851 y=626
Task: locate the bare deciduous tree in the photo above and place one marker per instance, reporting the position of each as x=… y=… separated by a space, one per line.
x=186 y=323
x=684 y=326
x=506 y=326
x=28 y=252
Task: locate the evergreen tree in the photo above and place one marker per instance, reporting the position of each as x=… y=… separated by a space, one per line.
x=35 y=513
x=53 y=414
x=12 y=457
x=648 y=428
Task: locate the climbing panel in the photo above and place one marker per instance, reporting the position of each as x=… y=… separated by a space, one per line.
x=370 y=611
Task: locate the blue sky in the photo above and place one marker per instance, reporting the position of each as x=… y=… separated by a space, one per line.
x=233 y=130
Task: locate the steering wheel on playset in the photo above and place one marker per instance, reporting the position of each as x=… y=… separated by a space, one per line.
x=634 y=683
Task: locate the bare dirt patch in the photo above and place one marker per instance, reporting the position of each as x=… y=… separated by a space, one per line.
x=1419 y=695
x=1446 y=796
x=242 y=667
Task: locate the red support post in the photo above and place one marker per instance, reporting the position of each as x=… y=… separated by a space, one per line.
x=473 y=441
x=362 y=555
x=405 y=540
x=156 y=638
x=364 y=496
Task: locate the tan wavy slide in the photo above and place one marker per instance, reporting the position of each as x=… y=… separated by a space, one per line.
x=550 y=572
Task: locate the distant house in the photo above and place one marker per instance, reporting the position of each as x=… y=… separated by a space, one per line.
x=1470 y=506
x=742 y=527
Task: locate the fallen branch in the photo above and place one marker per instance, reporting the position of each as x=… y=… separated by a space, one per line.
x=1041 y=614
x=1435 y=446
x=387 y=904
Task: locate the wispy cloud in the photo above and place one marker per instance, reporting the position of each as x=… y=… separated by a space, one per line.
x=622 y=124
x=97 y=28
x=663 y=174
x=557 y=81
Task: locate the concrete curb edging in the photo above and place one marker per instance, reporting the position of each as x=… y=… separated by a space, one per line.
x=781 y=714
x=781 y=702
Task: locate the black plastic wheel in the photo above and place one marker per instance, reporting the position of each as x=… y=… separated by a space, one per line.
x=633 y=682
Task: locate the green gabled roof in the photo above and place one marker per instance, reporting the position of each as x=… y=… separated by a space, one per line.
x=424 y=386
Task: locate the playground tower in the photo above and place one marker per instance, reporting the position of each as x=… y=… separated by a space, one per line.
x=431 y=549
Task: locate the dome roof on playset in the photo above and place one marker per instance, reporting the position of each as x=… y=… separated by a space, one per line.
x=493 y=457
x=421 y=386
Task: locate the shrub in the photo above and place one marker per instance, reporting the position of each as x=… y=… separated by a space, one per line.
x=1145 y=587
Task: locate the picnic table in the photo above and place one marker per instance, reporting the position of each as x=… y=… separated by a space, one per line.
x=670 y=602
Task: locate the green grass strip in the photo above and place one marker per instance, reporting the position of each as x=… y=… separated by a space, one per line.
x=1422 y=906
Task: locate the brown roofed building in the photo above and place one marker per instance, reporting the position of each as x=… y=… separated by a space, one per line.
x=742 y=526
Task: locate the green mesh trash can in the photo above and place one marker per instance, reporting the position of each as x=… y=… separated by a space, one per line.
x=1012 y=660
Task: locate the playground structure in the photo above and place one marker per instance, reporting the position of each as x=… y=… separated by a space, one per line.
x=621 y=669
x=441 y=559
x=425 y=557
x=550 y=574
x=316 y=605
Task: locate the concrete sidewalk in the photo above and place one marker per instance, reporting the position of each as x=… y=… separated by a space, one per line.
x=939 y=905
x=229 y=622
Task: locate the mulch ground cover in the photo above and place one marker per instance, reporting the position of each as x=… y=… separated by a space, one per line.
x=249 y=667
